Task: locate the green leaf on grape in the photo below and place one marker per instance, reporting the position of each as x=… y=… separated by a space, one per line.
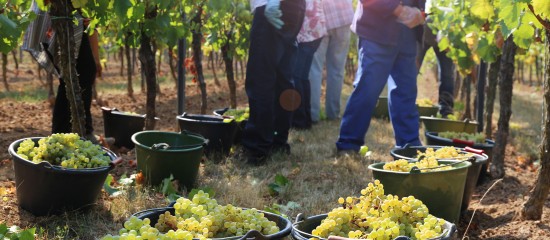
x=524 y=35
x=542 y=8
x=483 y=9
x=81 y=3
x=121 y=8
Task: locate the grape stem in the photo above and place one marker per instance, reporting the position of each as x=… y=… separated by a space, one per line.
x=544 y=23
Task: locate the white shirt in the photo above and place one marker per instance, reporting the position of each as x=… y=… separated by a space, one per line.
x=257 y=3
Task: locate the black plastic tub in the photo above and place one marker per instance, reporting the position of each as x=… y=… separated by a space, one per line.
x=410 y=153
x=302 y=228
x=121 y=126
x=220 y=134
x=433 y=138
x=240 y=125
x=45 y=189
x=284 y=224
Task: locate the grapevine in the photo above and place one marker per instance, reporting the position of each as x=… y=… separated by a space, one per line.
x=375 y=215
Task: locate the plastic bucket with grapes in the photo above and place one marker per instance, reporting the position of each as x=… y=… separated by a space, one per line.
x=46 y=189
x=432 y=138
x=441 y=191
x=122 y=125
x=240 y=125
x=432 y=124
x=163 y=154
x=303 y=226
x=219 y=132
x=409 y=153
x=284 y=224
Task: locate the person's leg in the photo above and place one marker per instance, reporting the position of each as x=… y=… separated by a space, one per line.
x=86 y=68
x=302 y=116
x=402 y=92
x=446 y=82
x=375 y=64
x=61 y=116
x=336 y=56
x=265 y=52
x=316 y=79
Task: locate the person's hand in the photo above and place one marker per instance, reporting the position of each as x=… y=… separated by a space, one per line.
x=410 y=16
x=273 y=13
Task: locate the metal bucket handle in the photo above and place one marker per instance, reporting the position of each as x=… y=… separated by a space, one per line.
x=166 y=146
x=254 y=234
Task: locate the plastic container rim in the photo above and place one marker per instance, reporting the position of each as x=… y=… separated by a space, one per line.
x=448 y=120
x=168 y=150
x=13 y=153
x=488 y=142
x=374 y=165
x=480 y=158
x=190 y=119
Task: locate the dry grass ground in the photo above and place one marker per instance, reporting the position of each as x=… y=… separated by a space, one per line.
x=316 y=176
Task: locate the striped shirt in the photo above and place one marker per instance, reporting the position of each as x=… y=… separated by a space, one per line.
x=39 y=39
x=338 y=13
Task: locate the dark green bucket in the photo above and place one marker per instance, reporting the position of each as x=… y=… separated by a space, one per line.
x=161 y=154
x=381 y=109
x=441 y=191
x=432 y=124
x=427 y=111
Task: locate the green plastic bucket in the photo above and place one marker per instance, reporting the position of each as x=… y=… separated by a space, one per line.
x=161 y=154
x=427 y=111
x=303 y=226
x=441 y=191
x=474 y=172
x=432 y=124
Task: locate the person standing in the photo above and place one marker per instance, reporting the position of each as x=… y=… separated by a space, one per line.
x=310 y=36
x=268 y=84
x=446 y=70
x=387 y=47
x=333 y=53
x=39 y=40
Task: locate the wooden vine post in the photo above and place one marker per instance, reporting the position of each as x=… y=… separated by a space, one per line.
x=61 y=12
x=532 y=209
x=147 y=58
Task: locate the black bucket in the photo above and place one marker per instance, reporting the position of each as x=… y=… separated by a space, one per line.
x=410 y=153
x=302 y=228
x=45 y=189
x=284 y=224
x=219 y=134
x=240 y=125
x=121 y=126
x=432 y=138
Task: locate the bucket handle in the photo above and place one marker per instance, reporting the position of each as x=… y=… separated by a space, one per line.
x=254 y=234
x=166 y=146
x=465 y=142
x=300 y=217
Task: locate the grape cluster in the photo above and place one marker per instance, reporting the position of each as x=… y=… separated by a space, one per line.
x=374 y=215
x=64 y=149
x=427 y=161
x=474 y=137
x=238 y=114
x=202 y=218
x=425 y=102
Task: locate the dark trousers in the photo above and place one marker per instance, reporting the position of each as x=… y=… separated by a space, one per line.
x=86 y=69
x=302 y=116
x=269 y=73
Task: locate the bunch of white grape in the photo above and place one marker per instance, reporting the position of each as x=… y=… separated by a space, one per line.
x=374 y=215
x=64 y=149
x=427 y=161
x=425 y=102
x=202 y=218
x=474 y=137
x=238 y=114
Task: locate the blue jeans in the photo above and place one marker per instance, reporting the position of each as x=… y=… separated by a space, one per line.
x=269 y=72
x=377 y=63
x=446 y=77
x=334 y=51
x=302 y=116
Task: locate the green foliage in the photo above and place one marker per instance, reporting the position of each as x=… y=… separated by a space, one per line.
x=16 y=233
x=208 y=190
x=542 y=7
x=279 y=185
x=14 y=19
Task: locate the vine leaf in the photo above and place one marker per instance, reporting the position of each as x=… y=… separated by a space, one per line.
x=542 y=7
x=80 y=3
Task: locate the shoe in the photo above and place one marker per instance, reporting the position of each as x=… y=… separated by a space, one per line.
x=280 y=148
x=251 y=157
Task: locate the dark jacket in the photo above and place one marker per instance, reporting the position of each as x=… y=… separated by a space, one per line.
x=374 y=20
